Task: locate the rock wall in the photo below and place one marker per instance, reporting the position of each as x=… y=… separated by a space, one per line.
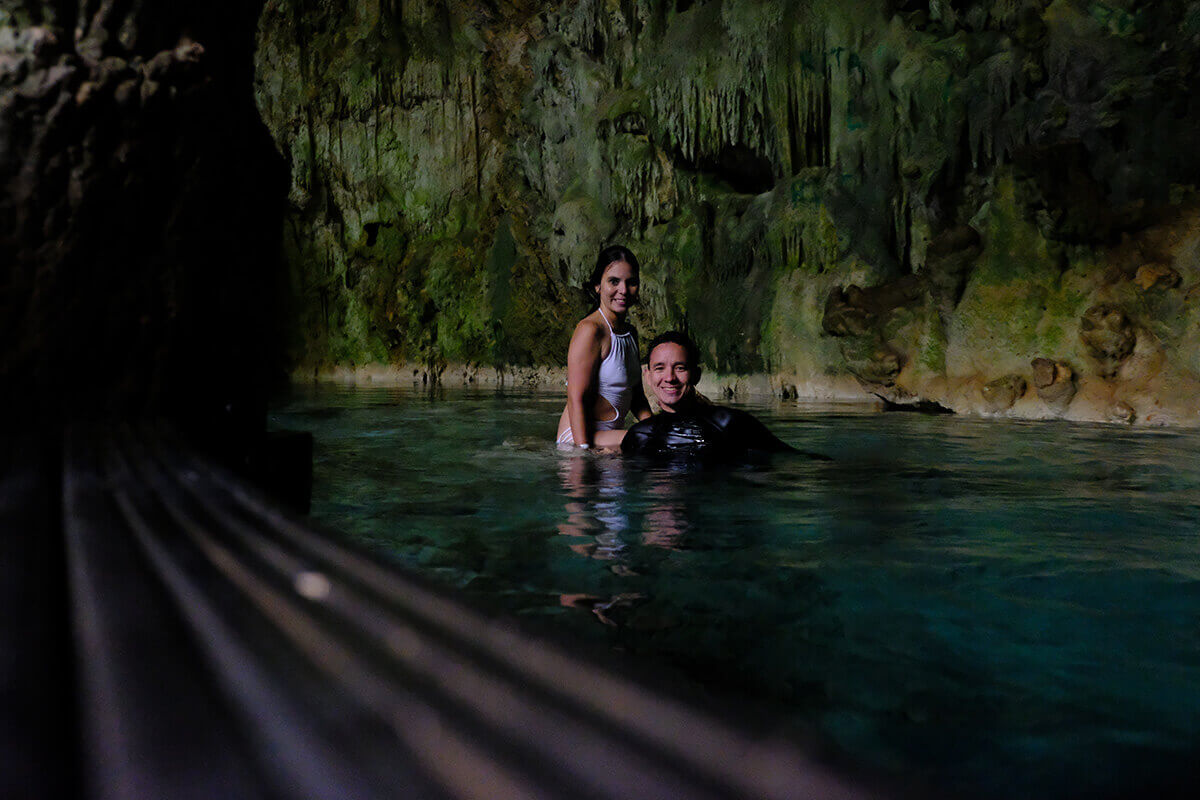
x=140 y=213
x=928 y=199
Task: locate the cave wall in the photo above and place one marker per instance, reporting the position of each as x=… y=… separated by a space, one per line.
x=140 y=216
x=924 y=197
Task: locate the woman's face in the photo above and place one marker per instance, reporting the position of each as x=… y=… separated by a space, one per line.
x=618 y=287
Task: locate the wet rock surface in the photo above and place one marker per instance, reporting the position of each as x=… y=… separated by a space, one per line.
x=1055 y=383
x=872 y=361
x=1121 y=412
x=1000 y=395
x=950 y=259
x=854 y=311
x=1157 y=276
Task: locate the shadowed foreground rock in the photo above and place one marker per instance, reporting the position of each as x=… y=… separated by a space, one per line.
x=140 y=212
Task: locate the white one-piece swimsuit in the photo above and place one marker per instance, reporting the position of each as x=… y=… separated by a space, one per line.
x=619 y=373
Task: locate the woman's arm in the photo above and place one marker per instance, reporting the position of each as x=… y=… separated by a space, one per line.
x=583 y=360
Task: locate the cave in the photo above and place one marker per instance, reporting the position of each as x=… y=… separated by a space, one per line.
x=204 y=202
x=181 y=184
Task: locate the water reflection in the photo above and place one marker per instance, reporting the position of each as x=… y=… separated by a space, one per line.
x=597 y=516
x=601 y=503
x=695 y=579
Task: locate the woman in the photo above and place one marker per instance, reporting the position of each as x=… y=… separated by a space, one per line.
x=604 y=381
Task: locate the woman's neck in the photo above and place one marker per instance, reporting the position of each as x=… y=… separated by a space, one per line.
x=614 y=319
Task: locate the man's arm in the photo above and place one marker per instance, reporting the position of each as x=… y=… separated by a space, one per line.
x=637 y=439
x=746 y=430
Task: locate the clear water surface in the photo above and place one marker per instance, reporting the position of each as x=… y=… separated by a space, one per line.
x=1005 y=609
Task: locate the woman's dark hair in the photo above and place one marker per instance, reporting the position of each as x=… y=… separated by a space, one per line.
x=609 y=255
x=680 y=338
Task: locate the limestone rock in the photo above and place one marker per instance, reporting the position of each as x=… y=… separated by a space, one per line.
x=1000 y=394
x=1120 y=411
x=1055 y=383
x=1108 y=335
x=855 y=311
x=872 y=361
x=908 y=402
x=950 y=257
x=841 y=318
x=1157 y=276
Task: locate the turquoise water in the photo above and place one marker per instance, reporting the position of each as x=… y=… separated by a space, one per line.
x=1001 y=608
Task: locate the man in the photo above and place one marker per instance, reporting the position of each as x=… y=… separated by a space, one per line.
x=689 y=426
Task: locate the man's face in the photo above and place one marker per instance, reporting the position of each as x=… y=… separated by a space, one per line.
x=670 y=377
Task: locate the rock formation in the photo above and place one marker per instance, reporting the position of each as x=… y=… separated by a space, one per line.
x=140 y=214
x=1055 y=383
x=901 y=191
x=893 y=193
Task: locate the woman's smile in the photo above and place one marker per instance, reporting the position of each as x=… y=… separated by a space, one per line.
x=618 y=287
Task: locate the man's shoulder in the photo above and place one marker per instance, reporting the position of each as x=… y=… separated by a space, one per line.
x=746 y=428
x=723 y=415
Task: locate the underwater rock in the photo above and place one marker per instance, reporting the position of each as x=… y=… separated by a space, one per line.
x=913 y=404
x=1055 y=383
x=1157 y=276
x=1000 y=394
x=1108 y=336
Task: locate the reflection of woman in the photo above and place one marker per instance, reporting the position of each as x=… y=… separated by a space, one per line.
x=603 y=369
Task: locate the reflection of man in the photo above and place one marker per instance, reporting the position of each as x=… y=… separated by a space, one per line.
x=689 y=426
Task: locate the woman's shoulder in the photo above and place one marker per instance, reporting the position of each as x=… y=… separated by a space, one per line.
x=589 y=332
x=590 y=326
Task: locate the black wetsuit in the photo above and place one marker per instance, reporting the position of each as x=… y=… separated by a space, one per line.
x=702 y=432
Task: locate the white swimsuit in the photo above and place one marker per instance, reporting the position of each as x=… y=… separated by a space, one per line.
x=618 y=375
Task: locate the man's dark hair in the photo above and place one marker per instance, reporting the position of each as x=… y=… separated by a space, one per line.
x=676 y=337
x=609 y=255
